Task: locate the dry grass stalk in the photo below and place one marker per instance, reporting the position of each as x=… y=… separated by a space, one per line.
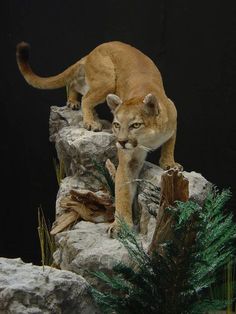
x=47 y=243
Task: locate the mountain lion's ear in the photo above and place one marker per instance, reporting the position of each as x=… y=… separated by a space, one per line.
x=113 y=101
x=151 y=104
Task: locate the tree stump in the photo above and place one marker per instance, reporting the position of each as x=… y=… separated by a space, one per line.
x=174 y=187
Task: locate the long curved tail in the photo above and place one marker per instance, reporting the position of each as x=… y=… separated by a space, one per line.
x=51 y=82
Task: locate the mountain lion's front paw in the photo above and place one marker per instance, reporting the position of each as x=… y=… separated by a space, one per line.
x=93 y=126
x=73 y=104
x=166 y=165
x=113 y=229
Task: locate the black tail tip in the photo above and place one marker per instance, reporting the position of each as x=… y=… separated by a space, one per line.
x=22 y=51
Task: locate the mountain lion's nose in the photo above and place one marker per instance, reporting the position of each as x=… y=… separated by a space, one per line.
x=122 y=143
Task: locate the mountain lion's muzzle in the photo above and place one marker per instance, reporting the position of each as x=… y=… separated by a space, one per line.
x=126 y=144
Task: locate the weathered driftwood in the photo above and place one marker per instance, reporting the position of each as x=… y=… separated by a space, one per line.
x=97 y=201
x=174 y=187
x=84 y=205
x=63 y=221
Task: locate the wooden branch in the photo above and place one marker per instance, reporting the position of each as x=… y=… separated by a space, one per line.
x=64 y=221
x=174 y=187
x=86 y=213
x=84 y=205
x=94 y=200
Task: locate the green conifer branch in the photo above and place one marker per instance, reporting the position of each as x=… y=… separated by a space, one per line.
x=179 y=280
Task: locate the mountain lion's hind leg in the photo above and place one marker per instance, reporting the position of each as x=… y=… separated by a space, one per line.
x=89 y=102
x=100 y=77
x=72 y=101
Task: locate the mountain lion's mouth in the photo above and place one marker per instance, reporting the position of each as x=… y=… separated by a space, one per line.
x=127 y=146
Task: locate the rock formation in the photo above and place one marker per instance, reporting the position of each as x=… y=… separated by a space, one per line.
x=29 y=289
x=85 y=246
x=84 y=208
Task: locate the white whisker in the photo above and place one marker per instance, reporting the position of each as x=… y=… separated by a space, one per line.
x=145 y=148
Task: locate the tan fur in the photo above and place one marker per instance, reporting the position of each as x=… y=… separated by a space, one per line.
x=144 y=117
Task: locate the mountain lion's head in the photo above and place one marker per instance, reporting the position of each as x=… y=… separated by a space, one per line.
x=136 y=122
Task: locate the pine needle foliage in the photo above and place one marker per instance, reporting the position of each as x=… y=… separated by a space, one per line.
x=179 y=280
x=105 y=177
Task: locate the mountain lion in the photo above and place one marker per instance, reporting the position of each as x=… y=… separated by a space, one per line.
x=144 y=117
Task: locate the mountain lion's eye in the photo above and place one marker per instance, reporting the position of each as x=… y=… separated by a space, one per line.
x=116 y=125
x=136 y=125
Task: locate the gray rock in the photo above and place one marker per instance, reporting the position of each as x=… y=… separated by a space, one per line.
x=88 y=248
x=29 y=289
x=77 y=147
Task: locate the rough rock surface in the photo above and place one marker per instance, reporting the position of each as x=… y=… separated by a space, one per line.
x=29 y=289
x=77 y=147
x=87 y=247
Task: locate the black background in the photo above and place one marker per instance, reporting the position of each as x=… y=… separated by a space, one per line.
x=192 y=43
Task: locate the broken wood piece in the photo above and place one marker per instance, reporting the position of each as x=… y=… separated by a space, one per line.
x=64 y=221
x=174 y=187
x=86 y=213
x=94 y=200
x=84 y=205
